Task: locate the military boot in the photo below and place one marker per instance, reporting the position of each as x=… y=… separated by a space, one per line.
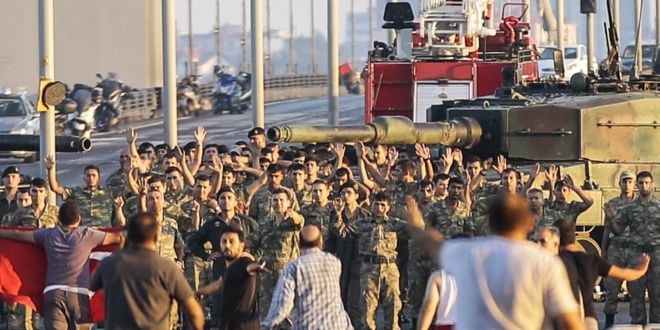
x=609 y=320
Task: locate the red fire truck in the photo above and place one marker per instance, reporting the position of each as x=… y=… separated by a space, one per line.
x=448 y=54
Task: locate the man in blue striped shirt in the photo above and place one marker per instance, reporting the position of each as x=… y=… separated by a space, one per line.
x=309 y=286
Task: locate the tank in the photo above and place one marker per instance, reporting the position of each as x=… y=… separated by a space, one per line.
x=15 y=142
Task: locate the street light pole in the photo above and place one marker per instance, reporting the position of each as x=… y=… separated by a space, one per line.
x=190 y=39
x=353 y=32
x=46 y=71
x=333 y=62
x=371 y=23
x=168 y=95
x=270 y=60
x=291 y=55
x=313 y=36
x=257 y=41
x=244 y=39
x=217 y=31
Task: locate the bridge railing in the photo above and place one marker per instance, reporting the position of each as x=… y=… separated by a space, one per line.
x=146 y=102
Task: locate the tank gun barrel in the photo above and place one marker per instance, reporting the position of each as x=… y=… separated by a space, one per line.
x=15 y=142
x=458 y=132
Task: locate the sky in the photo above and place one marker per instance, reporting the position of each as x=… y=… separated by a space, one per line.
x=231 y=12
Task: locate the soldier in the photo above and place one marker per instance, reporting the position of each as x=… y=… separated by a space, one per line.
x=319 y=212
x=616 y=247
x=426 y=195
x=170 y=244
x=260 y=201
x=177 y=192
x=117 y=181
x=39 y=214
x=96 y=203
x=312 y=168
x=544 y=215
x=348 y=213
x=379 y=275
x=508 y=185
x=11 y=179
x=561 y=191
x=23 y=201
x=642 y=218
x=298 y=179
x=275 y=242
x=441 y=185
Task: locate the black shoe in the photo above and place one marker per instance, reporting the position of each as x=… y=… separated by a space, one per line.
x=609 y=320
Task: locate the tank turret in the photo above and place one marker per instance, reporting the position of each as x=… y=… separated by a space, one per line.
x=15 y=142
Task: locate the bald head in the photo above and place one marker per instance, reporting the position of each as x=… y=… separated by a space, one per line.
x=509 y=213
x=310 y=237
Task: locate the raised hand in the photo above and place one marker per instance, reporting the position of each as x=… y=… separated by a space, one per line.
x=551 y=173
x=200 y=135
x=49 y=162
x=195 y=207
x=422 y=151
x=119 y=203
x=131 y=135
x=457 y=156
x=501 y=164
x=217 y=164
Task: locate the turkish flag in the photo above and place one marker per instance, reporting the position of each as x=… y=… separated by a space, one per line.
x=23 y=273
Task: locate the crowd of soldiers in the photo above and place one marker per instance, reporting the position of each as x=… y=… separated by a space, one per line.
x=354 y=193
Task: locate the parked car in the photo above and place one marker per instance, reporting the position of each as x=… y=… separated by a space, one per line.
x=575 y=60
x=18 y=116
x=649 y=52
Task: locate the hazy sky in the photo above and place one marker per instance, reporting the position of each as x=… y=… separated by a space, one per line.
x=231 y=10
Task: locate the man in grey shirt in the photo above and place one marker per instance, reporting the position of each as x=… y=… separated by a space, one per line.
x=67 y=246
x=140 y=285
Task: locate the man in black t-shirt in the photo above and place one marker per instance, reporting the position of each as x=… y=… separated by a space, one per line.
x=589 y=267
x=238 y=283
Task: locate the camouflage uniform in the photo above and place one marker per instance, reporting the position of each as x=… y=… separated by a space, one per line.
x=179 y=198
x=28 y=218
x=346 y=247
x=171 y=211
x=315 y=214
x=170 y=247
x=643 y=222
x=403 y=247
x=568 y=210
x=304 y=196
x=260 y=203
x=618 y=254
x=95 y=206
x=276 y=244
x=548 y=218
x=439 y=216
x=116 y=183
x=379 y=274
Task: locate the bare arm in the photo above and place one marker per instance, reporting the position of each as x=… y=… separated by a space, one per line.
x=569 y=321
x=200 y=136
x=430 y=303
x=113 y=238
x=212 y=288
x=428 y=240
x=195 y=313
x=631 y=274
x=18 y=235
x=49 y=162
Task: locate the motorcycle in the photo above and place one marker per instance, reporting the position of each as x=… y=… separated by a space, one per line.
x=227 y=95
x=115 y=93
x=188 y=98
x=75 y=115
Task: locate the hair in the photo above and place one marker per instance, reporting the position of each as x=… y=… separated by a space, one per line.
x=534 y=191
x=296 y=167
x=280 y=191
x=144 y=146
x=320 y=181
x=300 y=154
x=23 y=191
x=350 y=184
x=163 y=146
x=473 y=159
x=92 y=167
x=510 y=170
x=223 y=190
x=142 y=228
x=508 y=212
x=644 y=174
x=456 y=180
x=275 y=168
x=156 y=178
x=425 y=183
x=566 y=231
x=554 y=231
x=311 y=159
x=408 y=167
x=39 y=183
x=441 y=177
x=341 y=172
x=560 y=184
x=234 y=229
x=169 y=155
x=314 y=243
x=189 y=146
x=69 y=213
x=264 y=160
x=212 y=145
x=382 y=197
x=202 y=177
x=171 y=169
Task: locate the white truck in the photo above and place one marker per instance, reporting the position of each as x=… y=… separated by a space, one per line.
x=575 y=60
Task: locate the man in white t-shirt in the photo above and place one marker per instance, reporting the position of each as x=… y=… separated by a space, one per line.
x=504 y=281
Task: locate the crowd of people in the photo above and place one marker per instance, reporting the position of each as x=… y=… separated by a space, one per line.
x=323 y=236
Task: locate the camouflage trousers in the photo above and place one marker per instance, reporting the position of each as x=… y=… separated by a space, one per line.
x=419 y=271
x=380 y=287
x=621 y=257
x=21 y=317
x=650 y=282
x=199 y=273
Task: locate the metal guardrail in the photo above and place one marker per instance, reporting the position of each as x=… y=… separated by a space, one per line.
x=146 y=102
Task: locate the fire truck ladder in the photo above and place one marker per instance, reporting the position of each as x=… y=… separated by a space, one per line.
x=446 y=24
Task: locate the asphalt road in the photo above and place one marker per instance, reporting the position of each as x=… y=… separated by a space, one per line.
x=225 y=129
